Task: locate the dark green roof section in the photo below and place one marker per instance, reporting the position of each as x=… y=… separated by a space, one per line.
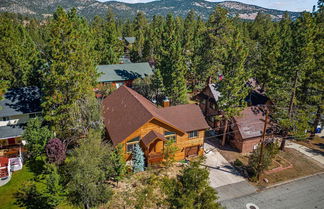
x=123 y=72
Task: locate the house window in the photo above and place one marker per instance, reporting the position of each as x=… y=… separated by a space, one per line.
x=171 y=138
x=213 y=106
x=170 y=135
x=130 y=146
x=5 y=118
x=193 y=134
x=167 y=133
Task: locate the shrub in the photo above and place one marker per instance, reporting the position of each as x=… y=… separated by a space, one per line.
x=55 y=151
x=238 y=163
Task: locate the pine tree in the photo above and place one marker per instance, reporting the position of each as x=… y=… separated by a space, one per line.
x=191 y=189
x=225 y=54
x=138 y=159
x=71 y=72
x=216 y=38
x=172 y=64
x=265 y=33
x=140 y=24
x=118 y=165
x=18 y=54
x=108 y=46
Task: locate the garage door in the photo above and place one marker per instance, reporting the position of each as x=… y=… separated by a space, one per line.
x=192 y=151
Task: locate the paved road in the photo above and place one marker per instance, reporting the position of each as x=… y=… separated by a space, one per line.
x=307 y=193
x=223 y=177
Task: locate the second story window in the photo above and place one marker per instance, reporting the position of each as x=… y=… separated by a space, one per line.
x=130 y=145
x=170 y=135
x=193 y=134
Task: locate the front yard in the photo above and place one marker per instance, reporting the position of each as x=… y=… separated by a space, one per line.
x=316 y=144
x=287 y=165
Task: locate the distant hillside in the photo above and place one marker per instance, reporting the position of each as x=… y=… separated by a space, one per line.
x=91 y=8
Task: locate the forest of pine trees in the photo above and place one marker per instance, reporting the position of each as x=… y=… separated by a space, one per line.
x=60 y=54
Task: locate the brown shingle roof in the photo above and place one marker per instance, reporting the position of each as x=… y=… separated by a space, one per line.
x=187 y=117
x=125 y=111
x=151 y=136
x=250 y=122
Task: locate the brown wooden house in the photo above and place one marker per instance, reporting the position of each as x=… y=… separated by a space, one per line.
x=130 y=119
x=245 y=130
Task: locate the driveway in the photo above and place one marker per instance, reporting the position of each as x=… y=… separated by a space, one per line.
x=223 y=177
x=314 y=154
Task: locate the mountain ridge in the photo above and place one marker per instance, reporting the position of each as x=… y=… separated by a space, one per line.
x=90 y=8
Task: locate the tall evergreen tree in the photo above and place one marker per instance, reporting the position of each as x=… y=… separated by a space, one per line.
x=108 y=46
x=140 y=25
x=71 y=72
x=265 y=33
x=172 y=64
x=18 y=54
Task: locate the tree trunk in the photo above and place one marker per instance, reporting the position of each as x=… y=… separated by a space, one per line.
x=316 y=121
x=293 y=94
x=283 y=144
x=291 y=104
x=225 y=132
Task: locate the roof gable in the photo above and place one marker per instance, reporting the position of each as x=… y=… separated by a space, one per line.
x=125 y=111
x=151 y=137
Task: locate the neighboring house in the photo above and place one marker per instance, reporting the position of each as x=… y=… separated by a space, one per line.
x=17 y=107
x=130 y=119
x=245 y=130
x=128 y=44
x=123 y=74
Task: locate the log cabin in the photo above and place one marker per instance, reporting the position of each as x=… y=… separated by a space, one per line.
x=131 y=119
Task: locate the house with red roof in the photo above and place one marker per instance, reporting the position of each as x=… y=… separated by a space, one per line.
x=131 y=119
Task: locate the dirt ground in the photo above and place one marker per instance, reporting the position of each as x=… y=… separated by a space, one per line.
x=317 y=143
x=302 y=166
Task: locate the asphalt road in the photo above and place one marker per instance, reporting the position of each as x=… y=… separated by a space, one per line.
x=307 y=193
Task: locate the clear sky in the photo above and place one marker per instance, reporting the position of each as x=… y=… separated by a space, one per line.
x=291 y=5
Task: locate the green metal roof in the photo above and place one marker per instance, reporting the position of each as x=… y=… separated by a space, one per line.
x=123 y=72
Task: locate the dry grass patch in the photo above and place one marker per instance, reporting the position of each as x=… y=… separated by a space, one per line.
x=302 y=166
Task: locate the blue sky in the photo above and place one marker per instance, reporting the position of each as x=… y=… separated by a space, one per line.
x=291 y=5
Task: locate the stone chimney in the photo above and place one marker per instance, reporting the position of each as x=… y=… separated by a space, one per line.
x=166 y=102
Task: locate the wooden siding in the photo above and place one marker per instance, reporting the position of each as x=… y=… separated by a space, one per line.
x=182 y=140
